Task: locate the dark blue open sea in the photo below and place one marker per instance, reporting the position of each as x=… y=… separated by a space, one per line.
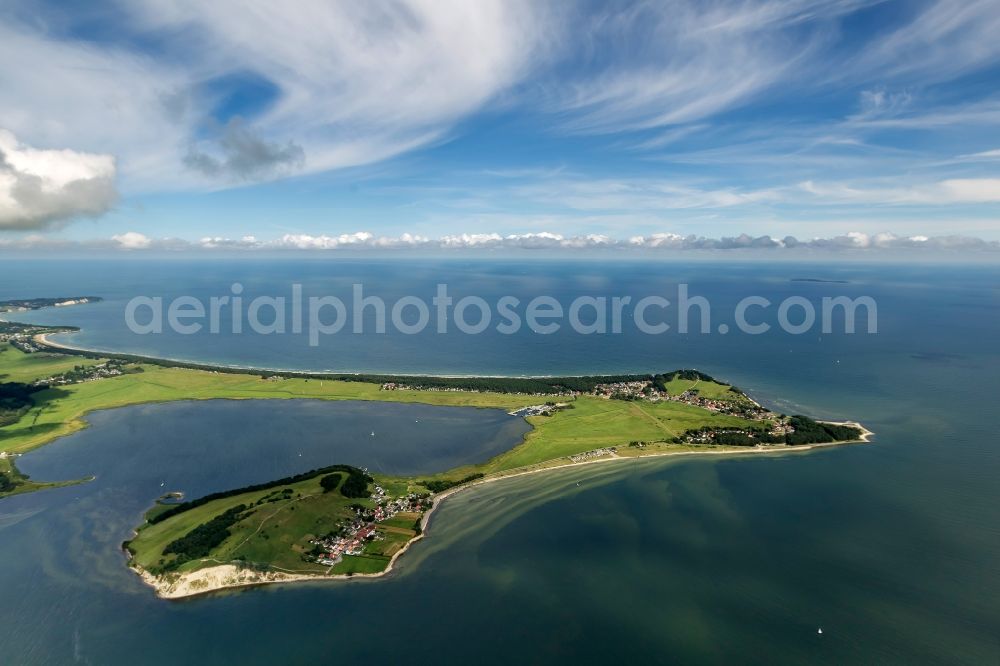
x=892 y=548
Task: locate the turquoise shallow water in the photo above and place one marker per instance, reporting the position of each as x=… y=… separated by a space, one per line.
x=893 y=548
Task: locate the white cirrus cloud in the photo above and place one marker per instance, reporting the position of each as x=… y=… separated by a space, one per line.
x=943 y=39
x=944 y=192
x=982 y=155
x=355 y=83
x=40 y=188
x=349 y=83
x=668 y=63
x=639 y=194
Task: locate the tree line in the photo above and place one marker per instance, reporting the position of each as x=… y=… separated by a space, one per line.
x=200 y=541
x=439 y=485
x=288 y=480
x=531 y=385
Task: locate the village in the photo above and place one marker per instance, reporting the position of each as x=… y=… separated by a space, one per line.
x=737 y=405
x=354 y=534
x=87 y=373
x=740 y=436
x=401 y=386
x=22 y=336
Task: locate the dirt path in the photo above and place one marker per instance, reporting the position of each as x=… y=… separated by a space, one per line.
x=267 y=518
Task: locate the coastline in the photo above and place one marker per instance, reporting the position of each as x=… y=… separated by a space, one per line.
x=228 y=576
x=221 y=577
x=42 y=340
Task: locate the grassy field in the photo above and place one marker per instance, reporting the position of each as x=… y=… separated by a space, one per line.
x=16 y=366
x=595 y=423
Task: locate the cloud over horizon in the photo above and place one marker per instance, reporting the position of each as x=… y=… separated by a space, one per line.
x=365 y=241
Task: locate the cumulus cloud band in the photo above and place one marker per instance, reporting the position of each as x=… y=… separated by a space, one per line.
x=657 y=242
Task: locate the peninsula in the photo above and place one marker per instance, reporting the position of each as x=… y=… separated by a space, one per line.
x=341 y=521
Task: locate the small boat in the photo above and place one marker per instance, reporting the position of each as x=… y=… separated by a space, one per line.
x=820 y=630
x=373 y=433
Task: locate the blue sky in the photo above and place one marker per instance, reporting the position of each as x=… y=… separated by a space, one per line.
x=326 y=124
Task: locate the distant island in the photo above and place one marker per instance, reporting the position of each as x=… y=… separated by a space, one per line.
x=341 y=521
x=24 y=305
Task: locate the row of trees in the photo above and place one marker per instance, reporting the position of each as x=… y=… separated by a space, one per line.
x=533 y=385
x=200 y=541
x=438 y=485
x=288 y=480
